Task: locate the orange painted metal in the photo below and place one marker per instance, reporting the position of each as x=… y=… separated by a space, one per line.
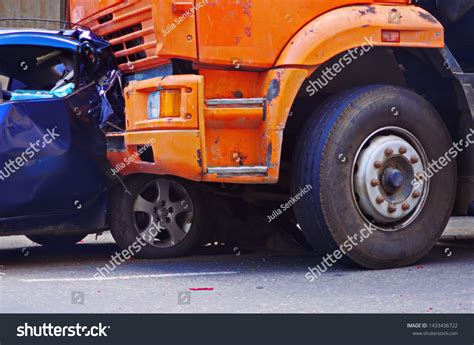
x=136 y=97
x=350 y=27
x=245 y=49
x=175 y=152
x=176 y=141
x=182 y=6
x=84 y=9
x=234 y=118
x=254 y=32
x=143 y=33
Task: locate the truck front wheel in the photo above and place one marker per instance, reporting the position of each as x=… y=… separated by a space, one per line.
x=382 y=172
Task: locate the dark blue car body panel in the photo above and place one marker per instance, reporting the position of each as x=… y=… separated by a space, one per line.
x=39 y=39
x=53 y=166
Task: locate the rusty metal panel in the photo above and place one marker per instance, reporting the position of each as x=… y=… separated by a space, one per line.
x=38 y=9
x=144 y=33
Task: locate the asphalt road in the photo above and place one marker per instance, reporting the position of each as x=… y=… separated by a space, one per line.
x=34 y=279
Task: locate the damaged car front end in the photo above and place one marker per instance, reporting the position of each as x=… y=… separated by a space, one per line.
x=58 y=91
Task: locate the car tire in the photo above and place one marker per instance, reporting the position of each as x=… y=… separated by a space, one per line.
x=171 y=209
x=57 y=240
x=333 y=163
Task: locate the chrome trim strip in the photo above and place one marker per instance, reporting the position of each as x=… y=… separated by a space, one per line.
x=235 y=101
x=238 y=170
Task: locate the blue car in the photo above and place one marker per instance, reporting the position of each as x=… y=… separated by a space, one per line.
x=58 y=90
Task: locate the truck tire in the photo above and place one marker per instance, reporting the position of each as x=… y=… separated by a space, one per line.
x=359 y=156
x=157 y=217
x=57 y=240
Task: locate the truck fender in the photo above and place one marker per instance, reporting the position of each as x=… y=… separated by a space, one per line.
x=324 y=38
x=360 y=26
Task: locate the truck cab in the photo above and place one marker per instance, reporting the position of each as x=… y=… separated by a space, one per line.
x=362 y=101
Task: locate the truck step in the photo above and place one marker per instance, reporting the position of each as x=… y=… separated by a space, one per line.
x=233 y=171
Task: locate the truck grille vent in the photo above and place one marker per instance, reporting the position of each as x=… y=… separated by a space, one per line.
x=129 y=29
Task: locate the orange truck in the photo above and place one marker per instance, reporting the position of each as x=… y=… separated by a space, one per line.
x=352 y=117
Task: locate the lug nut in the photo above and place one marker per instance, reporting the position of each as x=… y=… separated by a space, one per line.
x=405 y=206
x=374 y=182
x=388 y=152
x=416 y=194
x=392 y=209
x=378 y=164
x=402 y=150
x=380 y=199
x=414 y=160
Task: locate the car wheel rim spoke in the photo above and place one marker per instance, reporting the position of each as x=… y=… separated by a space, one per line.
x=176 y=233
x=163 y=186
x=143 y=205
x=151 y=232
x=184 y=205
x=165 y=209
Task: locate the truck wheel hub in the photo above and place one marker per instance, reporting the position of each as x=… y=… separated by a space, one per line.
x=385 y=173
x=392 y=179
